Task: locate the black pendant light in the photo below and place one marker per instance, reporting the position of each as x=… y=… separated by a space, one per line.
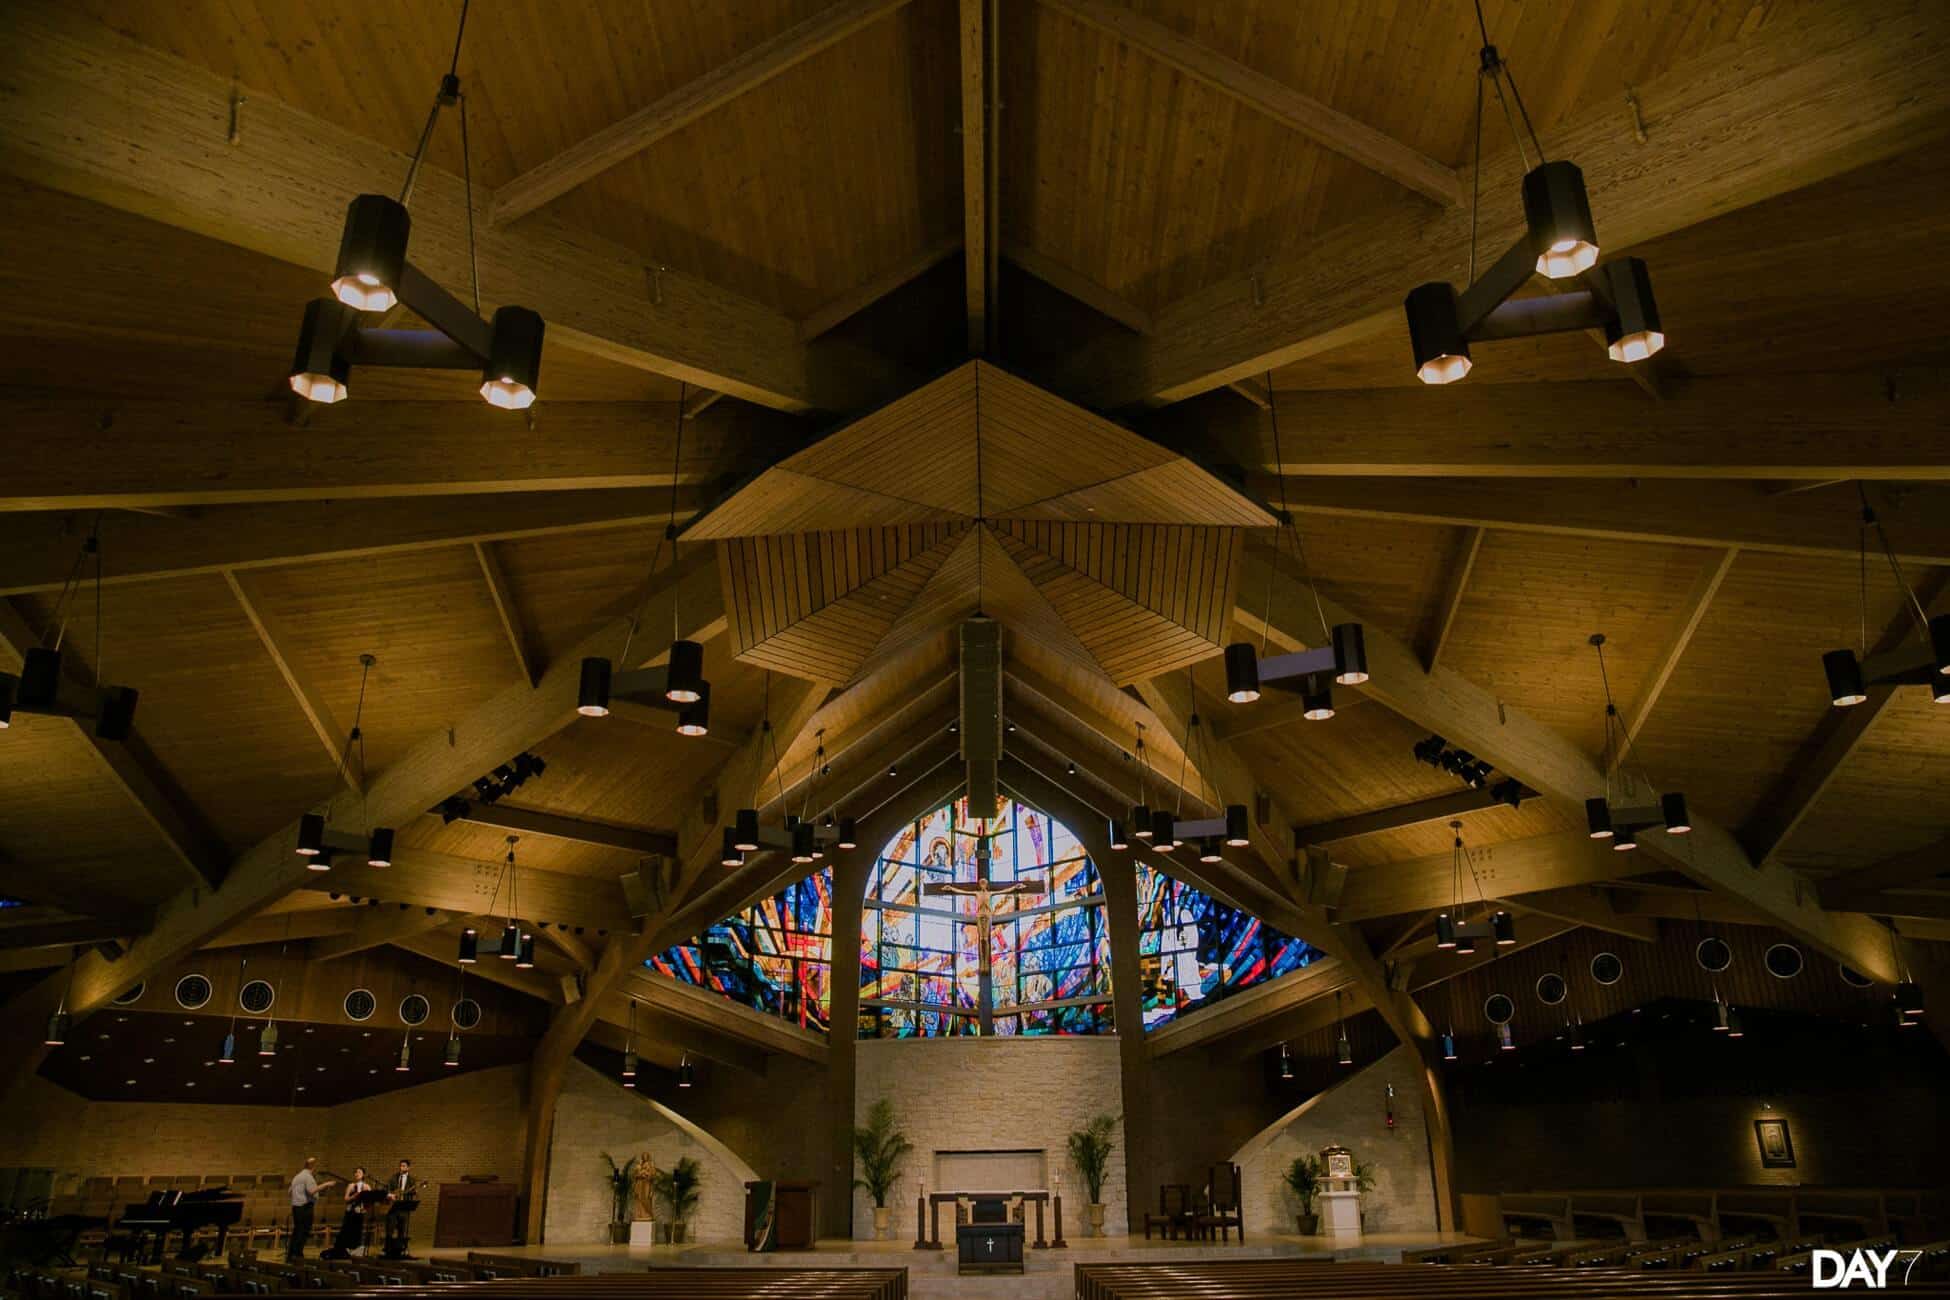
x=525 y=957
x=1286 y=1063
x=1605 y=818
x=60 y=1024
x=1344 y=1050
x=684 y=674
x=686 y=1075
x=1559 y=242
x=731 y=855
x=848 y=835
x=1140 y=820
x=318 y=843
x=450 y=1058
x=470 y=946
x=592 y=688
x=371 y=274
x=405 y=1062
x=694 y=719
x=629 y=1050
x=39 y=687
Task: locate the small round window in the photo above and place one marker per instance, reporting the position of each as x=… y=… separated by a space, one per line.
x=360 y=1004
x=193 y=992
x=414 y=1009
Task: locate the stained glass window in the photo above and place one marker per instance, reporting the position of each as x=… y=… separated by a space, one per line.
x=920 y=944
x=775 y=956
x=1194 y=950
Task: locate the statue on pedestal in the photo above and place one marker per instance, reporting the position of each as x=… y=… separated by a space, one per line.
x=642 y=1188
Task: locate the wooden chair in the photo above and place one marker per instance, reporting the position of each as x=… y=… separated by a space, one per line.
x=1222 y=1205
x=1174 y=1212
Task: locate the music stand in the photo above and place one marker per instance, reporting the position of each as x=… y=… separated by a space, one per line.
x=403 y=1207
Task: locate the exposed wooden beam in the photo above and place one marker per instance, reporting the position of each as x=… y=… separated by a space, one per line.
x=1814 y=94
x=579 y=830
x=282 y=927
x=1713 y=572
x=93 y=113
x=1698 y=513
x=1394 y=939
x=699 y=401
x=1925 y=907
x=624 y=139
x=1474 y=718
x=565 y=942
x=37 y=549
x=376 y=928
x=854 y=301
x=1253 y=391
x=76 y=454
x=1441 y=807
x=1074 y=284
x=1590 y=908
x=1814 y=426
x=130 y=763
x=1327 y=127
x=465 y=887
x=1510 y=869
x=1819 y=761
x=60 y=932
x=721 y=1015
x=1242 y=1011
x=1442 y=619
x=976 y=159
x=274 y=636
x=1845 y=888
x=504 y=607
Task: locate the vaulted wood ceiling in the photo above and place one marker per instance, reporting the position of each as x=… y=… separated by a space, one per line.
x=761 y=312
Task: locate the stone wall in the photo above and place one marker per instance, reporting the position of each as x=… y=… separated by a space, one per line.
x=593 y=1117
x=1004 y=1094
x=1353 y=1114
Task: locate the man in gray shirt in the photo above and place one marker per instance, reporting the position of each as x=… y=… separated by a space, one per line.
x=305 y=1188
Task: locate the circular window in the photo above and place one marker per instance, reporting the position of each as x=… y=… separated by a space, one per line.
x=1713 y=955
x=466 y=1013
x=192 y=992
x=256 y=997
x=1551 y=990
x=1499 y=1009
x=134 y=995
x=1783 y=961
x=360 y=1004
x=414 y=1009
x=1606 y=968
x=1855 y=977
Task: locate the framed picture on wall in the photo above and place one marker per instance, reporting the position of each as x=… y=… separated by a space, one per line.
x=1776 y=1146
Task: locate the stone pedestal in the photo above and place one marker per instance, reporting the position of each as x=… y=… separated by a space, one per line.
x=643 y=1232
x=1340 y=1213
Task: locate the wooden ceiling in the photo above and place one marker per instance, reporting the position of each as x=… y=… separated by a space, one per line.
x=761 y=312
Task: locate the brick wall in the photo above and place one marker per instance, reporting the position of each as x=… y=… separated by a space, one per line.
x=469 y=1124
x=594 y=1116
x=962 y=1094
x=1353 y=1114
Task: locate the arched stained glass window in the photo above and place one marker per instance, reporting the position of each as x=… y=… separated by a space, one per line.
x=775 y=956
x=1194 y=950
x=922 y=972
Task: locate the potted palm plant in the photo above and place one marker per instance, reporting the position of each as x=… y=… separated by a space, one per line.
x=677 y=1187
x=1090 y=1148
x=620 y=1179
x=1303 y=1180
x=880 y=1148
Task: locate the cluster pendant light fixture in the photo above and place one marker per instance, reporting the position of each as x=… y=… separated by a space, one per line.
x=1313 y=674
x=678 y=684
x=1925 y=662
x=800 y=835
x=42 y=687
x=1454 y=932
x=1167 y=831
x=318 y=843
x=372 y=276
x=1607 y=818
x=1559 y=242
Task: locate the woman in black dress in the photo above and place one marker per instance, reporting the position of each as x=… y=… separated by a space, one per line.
x=352 y=1229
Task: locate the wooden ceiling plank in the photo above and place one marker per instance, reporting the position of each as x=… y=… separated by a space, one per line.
x=1442 y=619
x=1702 y=513
x=578 y=830
x=1590 y=908
x=1712 y=573
x=1325 y=126
x=976 y=160
x=1845 y=888
x=36 y=550
x=72 y=120
x=851 y=303
x=1440 y=807
x=624 y=139
x=1074 y=284
x=504 y=607
x=187 y=838
x=76 y=454
x=375 y=929
x=1808 y=96
x=1445 y=702
x=311 y=703
x=1817 y=426
x=1836 y=736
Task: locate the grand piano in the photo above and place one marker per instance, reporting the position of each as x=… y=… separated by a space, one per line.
x=177 y=1211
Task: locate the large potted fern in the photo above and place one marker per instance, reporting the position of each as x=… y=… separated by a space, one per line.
x=677 y=1187
x=1303 y=1180
x=879 y=1150
x=620 y=1179
x=1090 y=1150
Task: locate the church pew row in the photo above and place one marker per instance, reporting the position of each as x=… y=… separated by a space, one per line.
x=1292 y=1280
x=656 y=1284
x=1711 y=1214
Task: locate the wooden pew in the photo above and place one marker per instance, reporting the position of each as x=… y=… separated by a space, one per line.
x=1613 y=1209
x=675 y=1283
x=1552 y=1210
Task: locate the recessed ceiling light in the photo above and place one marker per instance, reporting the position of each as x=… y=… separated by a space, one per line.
x=148 y=1060
x=247 y=1086
x=129 y=1082
x=190 y=1084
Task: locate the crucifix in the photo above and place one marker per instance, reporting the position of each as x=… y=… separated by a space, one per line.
x=985 y=891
